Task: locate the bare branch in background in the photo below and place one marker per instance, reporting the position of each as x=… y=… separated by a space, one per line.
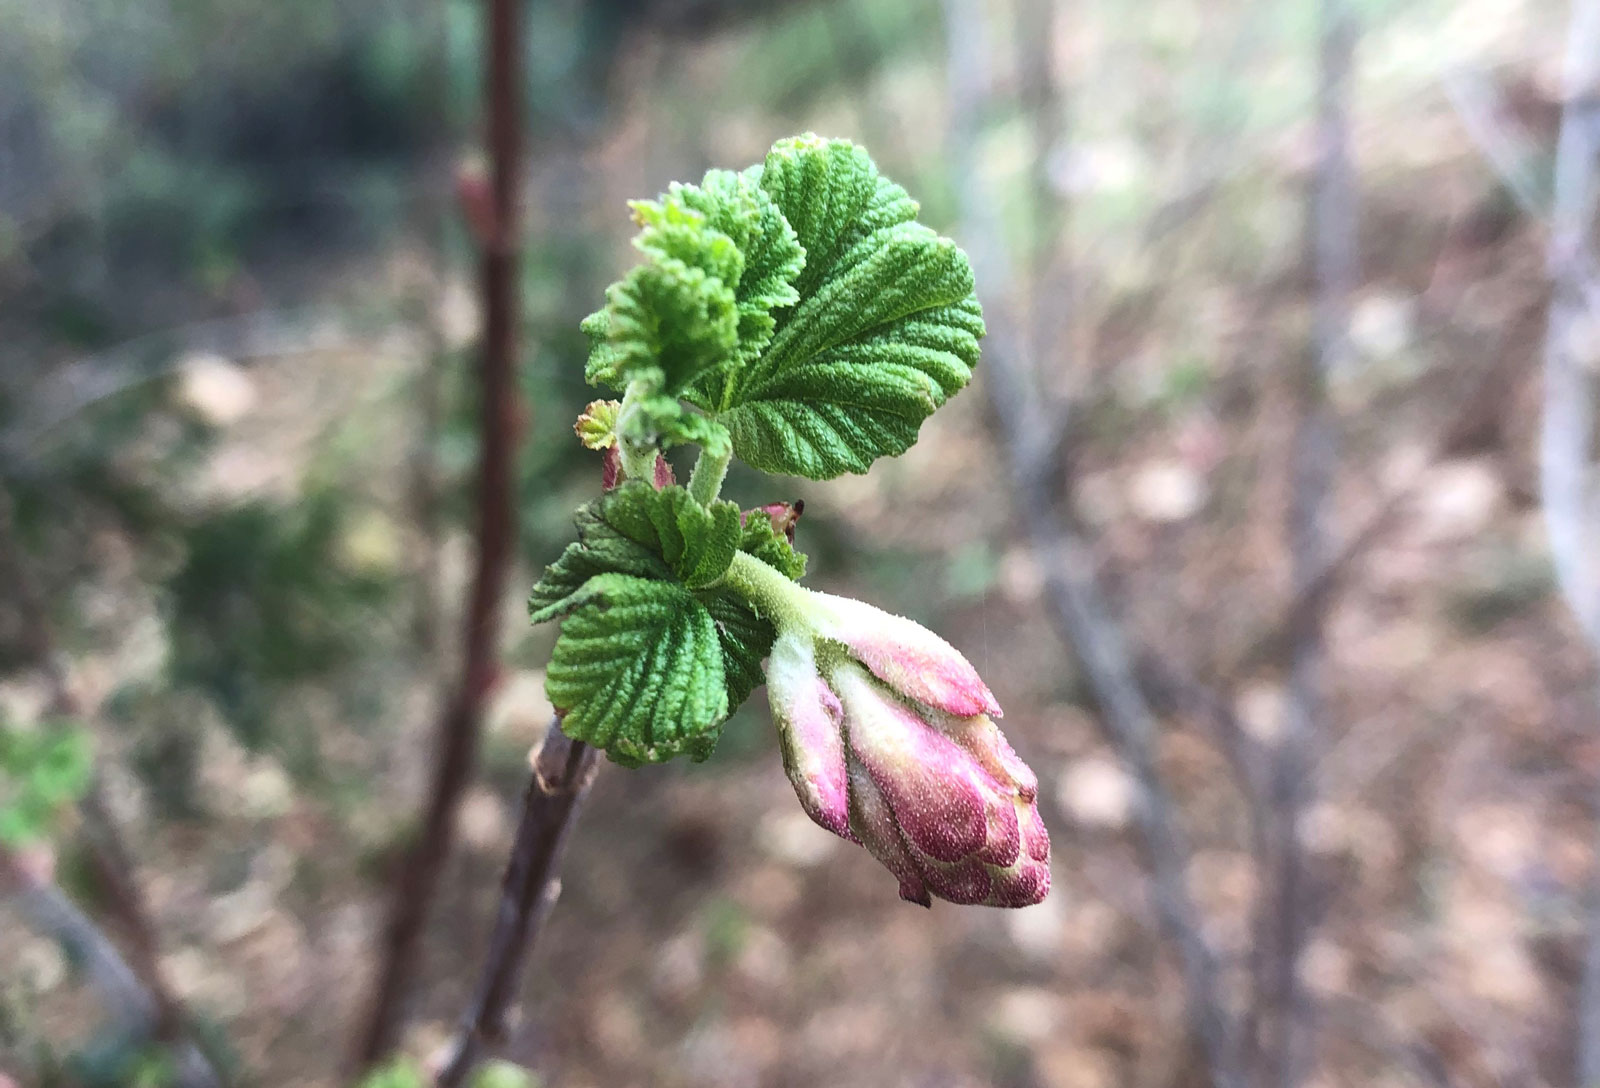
x=436 y=212
x=62 y=395
x=562 y=772
x=1290 y=907
x=133 y=1008
x=460 y=721
x=108 y=857
x=1565 y=468
x=1076 y=601
x=1501 y=145
x=1049 y=275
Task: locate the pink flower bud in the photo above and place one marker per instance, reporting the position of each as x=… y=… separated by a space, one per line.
x=943 y=802
x=810 y=729
x=906 y=656
x=888 y=741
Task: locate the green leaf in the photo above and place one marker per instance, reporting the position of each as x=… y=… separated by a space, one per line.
x=691 y=304
x=603 y=546
x=720 y=259
x=664 y=323
x=832 y=195
x=636 y=530
x=886 y=329
x=638 y=671
x=653 y=656
x=736 y=205
x=745 y=640
x=764 y=542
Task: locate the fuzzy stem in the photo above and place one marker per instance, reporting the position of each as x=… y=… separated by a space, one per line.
x=638 y=459
x=710 y=469
x=769 y=592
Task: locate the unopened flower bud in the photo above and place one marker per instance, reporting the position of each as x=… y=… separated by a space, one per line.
x=888 y=741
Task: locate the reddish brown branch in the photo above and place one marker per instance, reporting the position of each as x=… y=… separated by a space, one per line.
x=459 y=725
x=562 y=772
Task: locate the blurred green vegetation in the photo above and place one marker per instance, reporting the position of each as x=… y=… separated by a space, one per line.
x=42 y=771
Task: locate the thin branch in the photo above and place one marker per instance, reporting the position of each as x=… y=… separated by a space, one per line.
x=1564 y=462
x=435 y=217
x=108 y=856
x=58 y=398
x=1478 y=108
x=460 y=722
x=1050 y=287
x=563 y=770
x=1077 y=605
x=1289 y=908
x=134 y=1008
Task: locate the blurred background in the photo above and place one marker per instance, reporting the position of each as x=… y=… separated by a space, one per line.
x=1248 y=519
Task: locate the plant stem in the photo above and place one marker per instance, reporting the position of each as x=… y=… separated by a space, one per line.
x=638 y=459
x=710 y=469
x=1286 y=913
x=460 y=719
x=770 y=593
x=562 y=772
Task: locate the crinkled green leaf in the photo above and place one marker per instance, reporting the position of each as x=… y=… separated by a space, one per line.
x=674 y=315
x=764 y=542
x=664 y=323
x=736 y=205
x=885 y=332
x=638 y=670
x=745 y=639
x=636 y=530
x=602 y=547
x=832 y=195
x=637 y=592
x=800 y=304
x=719 y=258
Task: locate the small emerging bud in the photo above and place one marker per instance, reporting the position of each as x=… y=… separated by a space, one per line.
x=611 y=473
x=476 y=198
x=596 y=428
x=784 y=516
